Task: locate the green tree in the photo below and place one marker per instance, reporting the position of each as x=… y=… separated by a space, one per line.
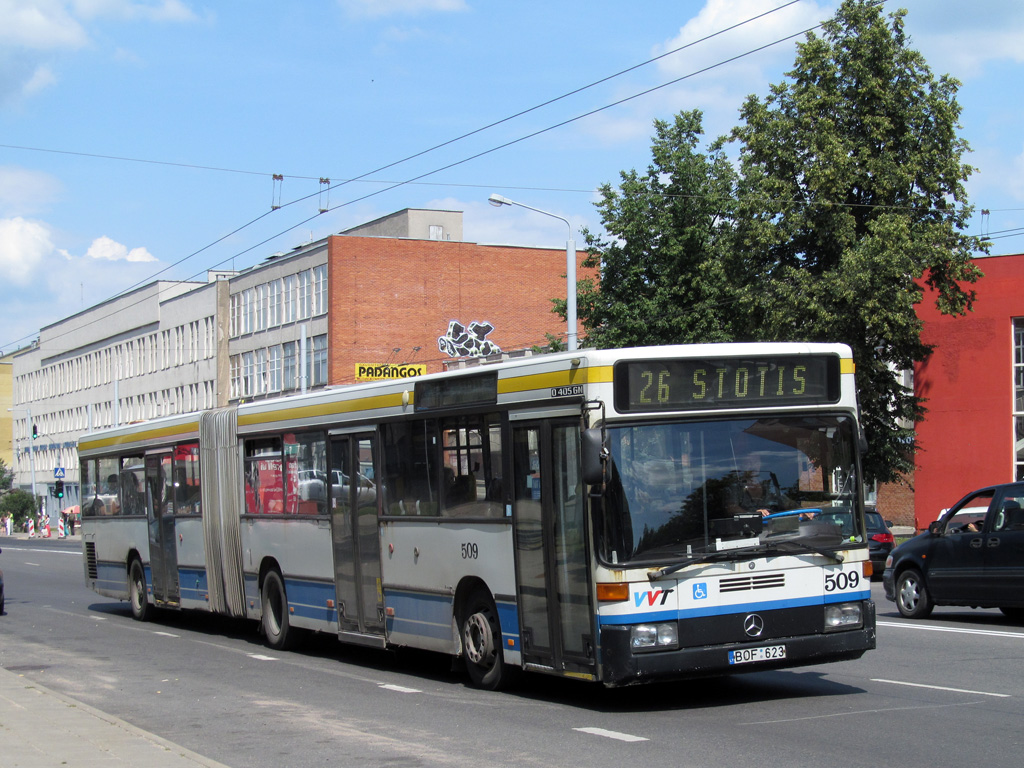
x=18 y=503
x=848 y=202
x=661 y=280
x=6 y=477
x=851 y=200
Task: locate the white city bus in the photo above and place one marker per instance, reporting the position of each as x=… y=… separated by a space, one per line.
x=610 y=515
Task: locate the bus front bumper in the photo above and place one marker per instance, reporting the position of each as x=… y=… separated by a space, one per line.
x=622 y=666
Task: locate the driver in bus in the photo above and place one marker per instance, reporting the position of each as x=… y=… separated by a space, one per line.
x=754 y=490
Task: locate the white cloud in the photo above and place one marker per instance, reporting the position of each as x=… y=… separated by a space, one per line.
x=370 y=8
x=161 y=10
x=42 y=78
x=23 y=247
x=24 y=192
x=111 y=250
x=718 y=15
x=40 y=24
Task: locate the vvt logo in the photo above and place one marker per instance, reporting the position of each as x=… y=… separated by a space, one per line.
x=700 y=591
x=651 y=596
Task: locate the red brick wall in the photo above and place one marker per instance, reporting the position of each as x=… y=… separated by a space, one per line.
x=967 y=439
x=389 y=293
x=896 y=501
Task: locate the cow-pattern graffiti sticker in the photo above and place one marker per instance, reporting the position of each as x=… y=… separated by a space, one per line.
x=471 y=341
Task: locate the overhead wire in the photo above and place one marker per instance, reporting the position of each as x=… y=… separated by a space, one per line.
x=415 y=179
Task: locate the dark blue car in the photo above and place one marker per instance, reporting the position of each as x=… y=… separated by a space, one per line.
x=973 y=555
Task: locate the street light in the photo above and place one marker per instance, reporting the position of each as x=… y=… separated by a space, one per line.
x=570 y=266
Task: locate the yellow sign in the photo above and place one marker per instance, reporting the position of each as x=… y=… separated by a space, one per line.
x=373 y=372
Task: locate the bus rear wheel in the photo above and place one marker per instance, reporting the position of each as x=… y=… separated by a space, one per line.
x=276 y=627
x=481 y=643
x=141 y=609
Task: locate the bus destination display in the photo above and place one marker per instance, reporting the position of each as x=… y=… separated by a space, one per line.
x=692 y=384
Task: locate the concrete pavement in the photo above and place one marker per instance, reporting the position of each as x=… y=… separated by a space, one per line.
x=41 y=728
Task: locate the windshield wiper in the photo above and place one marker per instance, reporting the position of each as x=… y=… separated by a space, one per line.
x=731 y=554
x=795 y=543
x=707 y=557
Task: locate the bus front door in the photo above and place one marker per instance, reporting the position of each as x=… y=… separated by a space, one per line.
x=552 y=567
x=163 y=545
x=357 y=572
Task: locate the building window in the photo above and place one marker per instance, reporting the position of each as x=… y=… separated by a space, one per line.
x=274 y=370
x=1018 y=397
x=261 y=371
x=289 y=365
x=235 y=314
x=289 y=299
x=319 y=374
x=261 y=307
x=248 y=374
x=305 y=296
x=236 y=377
x=320 y=290
x=274 y=307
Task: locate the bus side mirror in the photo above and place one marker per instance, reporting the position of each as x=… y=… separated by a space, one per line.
x=594 y=456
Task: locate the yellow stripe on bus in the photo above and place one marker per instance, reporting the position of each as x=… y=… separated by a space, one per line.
x=595 y=375
x=177 y=430
x=323 y=409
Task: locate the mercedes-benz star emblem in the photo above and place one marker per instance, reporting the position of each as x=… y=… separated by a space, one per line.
x=753 y=625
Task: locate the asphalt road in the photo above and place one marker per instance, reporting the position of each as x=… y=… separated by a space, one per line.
x=945 y=692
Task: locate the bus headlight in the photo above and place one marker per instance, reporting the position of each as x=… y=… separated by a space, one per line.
x=843 y=616
x=654 y=637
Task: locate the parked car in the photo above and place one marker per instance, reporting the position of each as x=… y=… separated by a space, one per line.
x=973 y=555
x=880 y=540
x=1 y=590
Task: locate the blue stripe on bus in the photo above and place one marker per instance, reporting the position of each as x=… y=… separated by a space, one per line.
x=722 y=610
x=308 y=598
x=419 y=614
x=111 y=576
x=508 y=615
x=192 y=584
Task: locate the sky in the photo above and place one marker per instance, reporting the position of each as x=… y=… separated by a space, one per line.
x=140 y=139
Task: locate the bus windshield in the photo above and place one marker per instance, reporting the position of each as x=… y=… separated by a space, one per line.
x=686 y=488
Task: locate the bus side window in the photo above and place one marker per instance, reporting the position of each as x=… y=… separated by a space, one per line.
x=410 y=476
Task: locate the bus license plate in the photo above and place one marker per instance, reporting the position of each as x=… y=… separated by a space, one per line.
x=766 y=653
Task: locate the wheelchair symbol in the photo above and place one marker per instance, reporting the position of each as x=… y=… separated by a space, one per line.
x=700 y=591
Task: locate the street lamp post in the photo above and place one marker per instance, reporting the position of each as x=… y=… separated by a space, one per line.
x=570 y=267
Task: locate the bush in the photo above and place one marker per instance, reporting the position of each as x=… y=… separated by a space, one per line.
x=20 y=504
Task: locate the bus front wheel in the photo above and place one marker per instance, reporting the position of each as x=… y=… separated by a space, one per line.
x=137 y=592
x=481 y=643
x=276 y=627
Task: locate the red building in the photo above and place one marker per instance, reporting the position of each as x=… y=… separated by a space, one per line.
x=973 y=387
x=435 y=301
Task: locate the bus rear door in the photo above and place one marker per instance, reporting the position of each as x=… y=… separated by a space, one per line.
x=357 y=573
x=163 y=552
x=552 y=568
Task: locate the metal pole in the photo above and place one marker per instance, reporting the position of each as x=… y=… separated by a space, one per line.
x=32 y=457
x=570 y=268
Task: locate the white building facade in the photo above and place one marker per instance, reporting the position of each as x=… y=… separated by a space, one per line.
x=153 y=352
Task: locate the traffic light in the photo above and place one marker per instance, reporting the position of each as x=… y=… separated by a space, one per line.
x=35 y=431
x=58 y=489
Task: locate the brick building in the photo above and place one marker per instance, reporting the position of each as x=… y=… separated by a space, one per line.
x=429 y=301
x=973 y=386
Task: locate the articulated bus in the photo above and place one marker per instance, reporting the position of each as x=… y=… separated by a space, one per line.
x=618 y=516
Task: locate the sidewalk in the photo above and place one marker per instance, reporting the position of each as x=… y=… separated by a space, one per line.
x=40 y=728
